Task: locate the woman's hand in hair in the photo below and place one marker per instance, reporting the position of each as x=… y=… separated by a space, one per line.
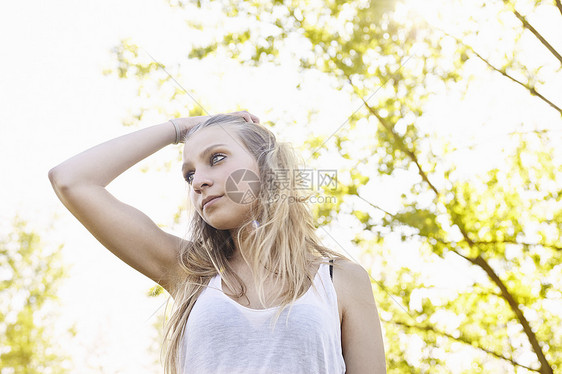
x=248 y=117
x=186 y=123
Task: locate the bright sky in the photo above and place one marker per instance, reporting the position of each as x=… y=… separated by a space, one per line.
x=55 y=103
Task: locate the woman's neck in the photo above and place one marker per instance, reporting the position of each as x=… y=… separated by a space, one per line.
x=237 y=260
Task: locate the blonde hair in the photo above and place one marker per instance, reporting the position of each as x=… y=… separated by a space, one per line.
x=283 y=243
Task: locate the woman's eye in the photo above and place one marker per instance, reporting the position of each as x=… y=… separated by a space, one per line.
x=217 y=154
x=189 y=176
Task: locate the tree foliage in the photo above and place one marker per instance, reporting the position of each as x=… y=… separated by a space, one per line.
x=29 y=276
x=500 y=228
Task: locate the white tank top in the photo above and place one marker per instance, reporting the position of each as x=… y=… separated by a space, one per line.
x=224 y=337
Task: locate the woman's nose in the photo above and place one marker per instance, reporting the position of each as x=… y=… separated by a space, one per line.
x=201 y=179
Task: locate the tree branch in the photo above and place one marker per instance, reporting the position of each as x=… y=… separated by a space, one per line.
x=464 y=340
x=503 y=72
x=531 y=89
x=507 y=241
x=545 y=366
x=375 y=206
x=529 y=27
x=559 y=5
x=479 y=242
x=514 y=306
x=398 y=141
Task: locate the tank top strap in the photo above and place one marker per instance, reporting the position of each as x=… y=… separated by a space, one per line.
x=330 y=295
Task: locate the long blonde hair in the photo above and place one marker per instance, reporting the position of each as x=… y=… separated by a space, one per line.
x=283 y=242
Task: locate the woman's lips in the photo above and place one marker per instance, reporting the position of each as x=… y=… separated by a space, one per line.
x=211 y=202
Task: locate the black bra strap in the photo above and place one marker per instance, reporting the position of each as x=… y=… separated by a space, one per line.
x=331 y=267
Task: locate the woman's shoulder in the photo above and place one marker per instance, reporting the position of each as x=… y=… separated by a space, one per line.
x=351 y=282
x=349 y=272
x=348 y=267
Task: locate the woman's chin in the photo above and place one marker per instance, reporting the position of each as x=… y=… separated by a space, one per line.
x=221 y=224
x=225 y=222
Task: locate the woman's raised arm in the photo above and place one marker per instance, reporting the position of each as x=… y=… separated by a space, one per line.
x=80 y=182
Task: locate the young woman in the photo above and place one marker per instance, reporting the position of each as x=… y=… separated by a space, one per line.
x=252 y=256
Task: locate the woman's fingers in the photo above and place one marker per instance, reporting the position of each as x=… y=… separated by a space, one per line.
x=248 y=117
x=255 y=119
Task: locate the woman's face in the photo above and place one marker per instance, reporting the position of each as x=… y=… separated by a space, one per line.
x=216 y=163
